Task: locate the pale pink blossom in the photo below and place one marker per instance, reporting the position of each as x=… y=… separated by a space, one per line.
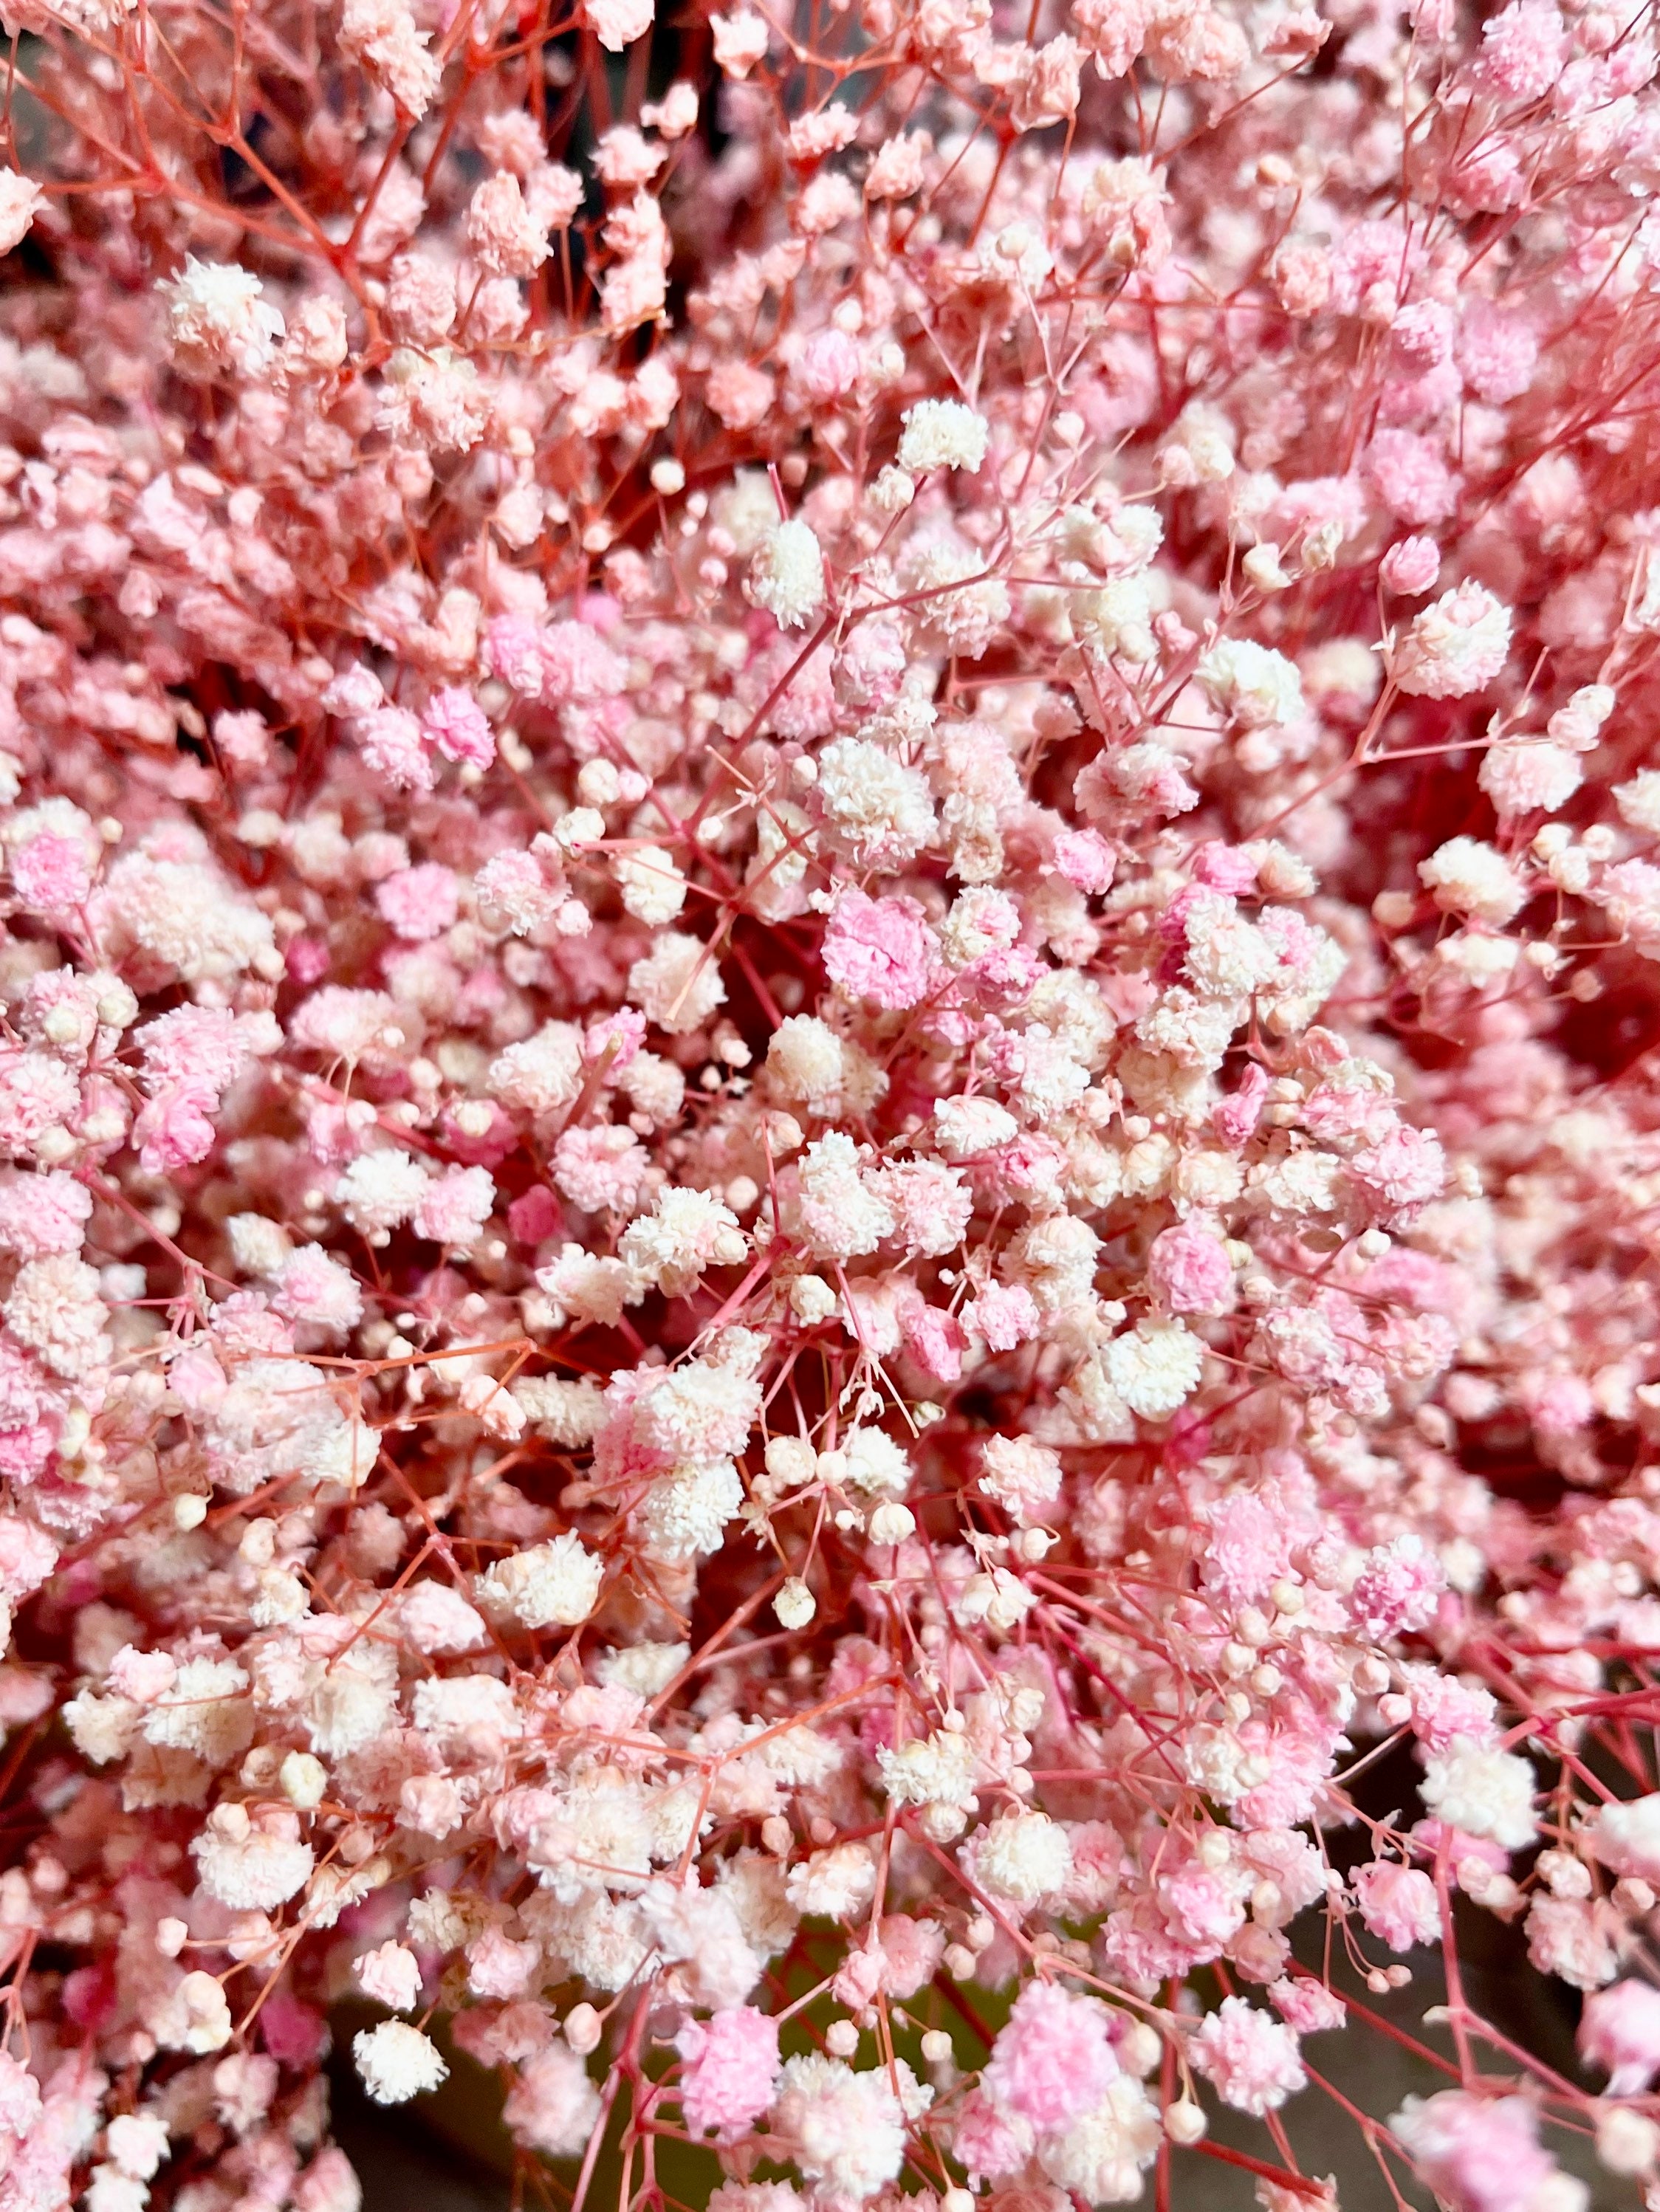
x=1398 y=1904
x=878 y=949
x=731 y=2067
x=1052 y=2059
x=829 y=966
x=1478 y=2155
x=1248 y=2056
x=1190 y=1271
x=1620 y=2032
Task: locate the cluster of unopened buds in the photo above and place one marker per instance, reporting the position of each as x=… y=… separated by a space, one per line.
x=829 y=897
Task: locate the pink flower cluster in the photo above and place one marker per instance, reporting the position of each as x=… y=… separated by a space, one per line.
x=829 y=1019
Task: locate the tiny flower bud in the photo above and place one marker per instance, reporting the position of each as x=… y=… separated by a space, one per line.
x=1184 y=2122
x=303 y=1780
x=794 y=1604
x=891 y=1522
